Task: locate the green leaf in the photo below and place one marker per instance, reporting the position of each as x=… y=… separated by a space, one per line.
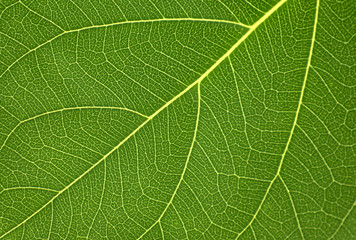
x=173 y=119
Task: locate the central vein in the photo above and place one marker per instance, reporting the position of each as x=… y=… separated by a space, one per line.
x=217 y=63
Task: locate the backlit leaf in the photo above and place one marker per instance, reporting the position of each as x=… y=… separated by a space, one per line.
x=177 y=119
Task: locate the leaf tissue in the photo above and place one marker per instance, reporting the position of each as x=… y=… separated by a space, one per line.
x=177 y=119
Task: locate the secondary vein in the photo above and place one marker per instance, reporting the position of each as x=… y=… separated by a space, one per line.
x=293 y=125
x=122 y=23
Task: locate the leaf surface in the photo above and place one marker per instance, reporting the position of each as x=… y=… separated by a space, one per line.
x=177 y=119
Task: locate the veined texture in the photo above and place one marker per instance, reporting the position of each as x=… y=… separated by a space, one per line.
x=152 y=119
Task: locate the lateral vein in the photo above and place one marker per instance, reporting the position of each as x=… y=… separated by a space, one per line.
x=122 y=23
x=293 y=125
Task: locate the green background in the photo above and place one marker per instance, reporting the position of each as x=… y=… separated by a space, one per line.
x=192 y=119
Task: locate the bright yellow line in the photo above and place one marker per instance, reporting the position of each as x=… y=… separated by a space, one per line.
x=293 y=126
x=122 y=23
x=251 y=30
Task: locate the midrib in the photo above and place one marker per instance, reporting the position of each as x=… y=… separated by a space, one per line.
x=248 y=33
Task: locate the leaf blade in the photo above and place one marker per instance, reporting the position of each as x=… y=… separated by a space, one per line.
x=253 y=122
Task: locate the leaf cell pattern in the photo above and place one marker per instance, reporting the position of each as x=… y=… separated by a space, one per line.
x=176 y=119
